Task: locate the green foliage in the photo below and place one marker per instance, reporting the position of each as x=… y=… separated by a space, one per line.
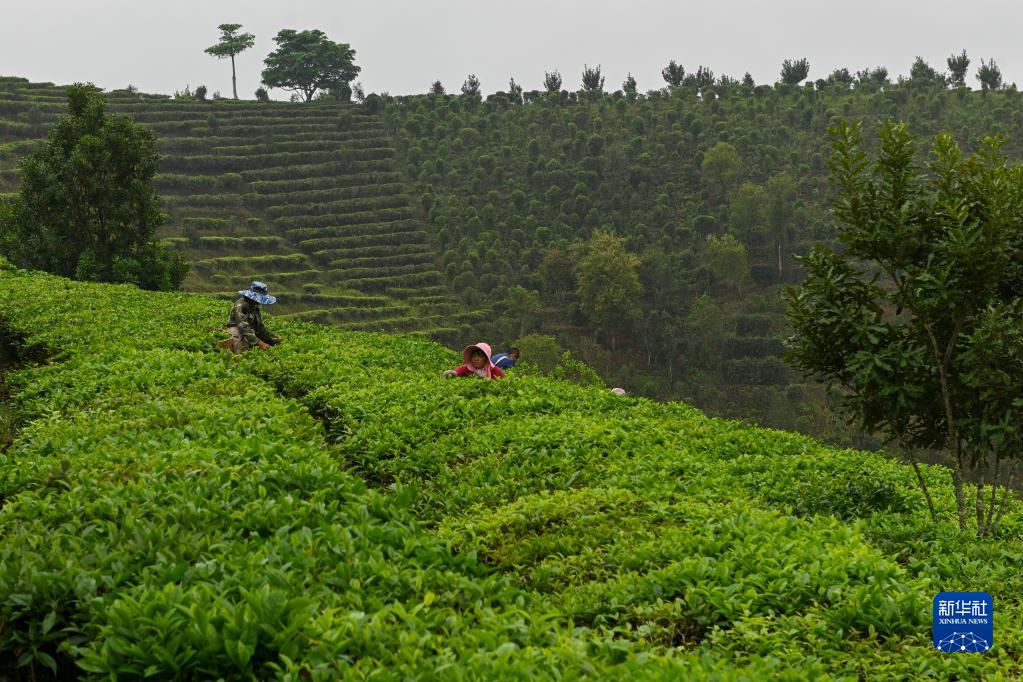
x=727 y=260
x=608 y=285
x=592 y=80
x=471 y=87
x=722 y=168
x=87 y=207
x=629 y=85
x=673 y=74
x=307 y=61
x=542 y=355
x=923 y=73
x=929 y=277
x=231 y=43
x=795 y=71
x=748 y=210
x=648 y=186
x=989 y=75
x=957 y=66
x=330 y=508
x=552 y=81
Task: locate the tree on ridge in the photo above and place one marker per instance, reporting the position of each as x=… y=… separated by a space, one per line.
x=307 y=61
x=957 y=66
x=794 y=71
x=231 y=43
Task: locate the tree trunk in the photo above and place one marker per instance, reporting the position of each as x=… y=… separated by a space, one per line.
x=957 y=484
x=979 y=506
x=927 y=493
x=954 y=442
x=234 y=80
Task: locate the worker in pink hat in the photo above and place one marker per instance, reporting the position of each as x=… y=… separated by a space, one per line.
x=476 y=362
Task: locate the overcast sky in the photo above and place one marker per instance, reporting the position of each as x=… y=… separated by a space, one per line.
x=404 y=45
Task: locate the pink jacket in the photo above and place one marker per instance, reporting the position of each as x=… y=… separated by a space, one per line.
x=489 y=371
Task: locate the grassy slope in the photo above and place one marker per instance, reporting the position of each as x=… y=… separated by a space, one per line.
x=308 y=199
x=334 y=506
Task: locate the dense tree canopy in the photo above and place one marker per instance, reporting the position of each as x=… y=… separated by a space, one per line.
x=552 y=81
x=87 y=207
x=608 y=285
x=989 y=75
x=957 y=66
x=593 y=81
x=673 y=74
x=794 y=71
x=307 y=62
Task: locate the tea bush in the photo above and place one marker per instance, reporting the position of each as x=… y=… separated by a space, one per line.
x=332 y=508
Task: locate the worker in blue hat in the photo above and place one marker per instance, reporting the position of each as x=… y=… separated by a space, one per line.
x=245 y=323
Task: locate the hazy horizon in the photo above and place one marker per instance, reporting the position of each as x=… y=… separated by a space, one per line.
x=403 y=47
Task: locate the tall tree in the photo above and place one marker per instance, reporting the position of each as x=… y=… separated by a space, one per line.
x=747 y=80
x=307 y=61
x=593 y=81
x=673 y=74
x=514 y=91
x=722 y=168
x=557 y=273
x=957 y=66
x=840 y=76
x=989 y=75
x=748 y=211
x=705 y=329
x=702 y=79
x=794 y=71
x=923 y=73
x=782 y=193
x=523 y=306
x=918 y=318
x=552 y=81
x=728 y=260
x=629 y=85
x=437 y=88
x=87 y=206
x=231 y=43
x=877 y=76
x=471 y=86
x=608 y=285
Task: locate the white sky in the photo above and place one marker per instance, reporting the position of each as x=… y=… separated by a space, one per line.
x=404 y=45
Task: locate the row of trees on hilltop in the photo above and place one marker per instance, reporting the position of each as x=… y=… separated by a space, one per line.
x=793 y=72
x=308 y=63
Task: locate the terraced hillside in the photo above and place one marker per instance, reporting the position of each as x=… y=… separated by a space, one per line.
x=304 y=197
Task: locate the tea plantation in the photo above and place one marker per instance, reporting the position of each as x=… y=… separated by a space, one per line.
x=309 y=199
x=333 y=509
